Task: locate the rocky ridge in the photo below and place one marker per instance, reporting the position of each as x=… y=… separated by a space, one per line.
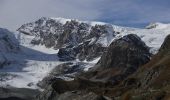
x=74 y=39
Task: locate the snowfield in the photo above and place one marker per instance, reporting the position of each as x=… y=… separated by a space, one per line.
x=32 y=64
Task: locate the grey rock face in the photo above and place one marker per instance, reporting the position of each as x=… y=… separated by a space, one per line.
x=66 y=71
x=8 y=44
x=74 y=39
x=85 y=51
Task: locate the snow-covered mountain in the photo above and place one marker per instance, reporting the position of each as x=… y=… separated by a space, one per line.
x=60 y=32
x=158 y=25
x=47 y=41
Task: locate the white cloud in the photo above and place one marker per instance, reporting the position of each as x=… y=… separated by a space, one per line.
x=14 y=13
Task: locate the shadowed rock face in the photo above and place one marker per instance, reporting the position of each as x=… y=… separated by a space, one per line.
x=8 y=44
x=85 y=51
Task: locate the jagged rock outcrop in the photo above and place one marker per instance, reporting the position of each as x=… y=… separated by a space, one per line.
x=67 y=71
x=74 y=39
x=85 y=51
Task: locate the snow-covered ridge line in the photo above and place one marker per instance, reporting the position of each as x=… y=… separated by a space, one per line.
x=153 y=35
x=64 y=20
x=91 y=23
x=158 y=25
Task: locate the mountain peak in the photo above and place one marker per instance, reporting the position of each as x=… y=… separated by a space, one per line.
x=158 y=25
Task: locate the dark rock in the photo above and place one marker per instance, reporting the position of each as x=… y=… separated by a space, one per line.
x=129 y=51
x=18 y=94
x=30 y=84
x=85 y=51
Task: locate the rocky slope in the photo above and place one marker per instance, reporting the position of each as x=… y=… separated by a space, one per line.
x=153 y=78
x=112 y=68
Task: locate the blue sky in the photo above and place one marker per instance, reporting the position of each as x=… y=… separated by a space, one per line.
x=133 y=13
